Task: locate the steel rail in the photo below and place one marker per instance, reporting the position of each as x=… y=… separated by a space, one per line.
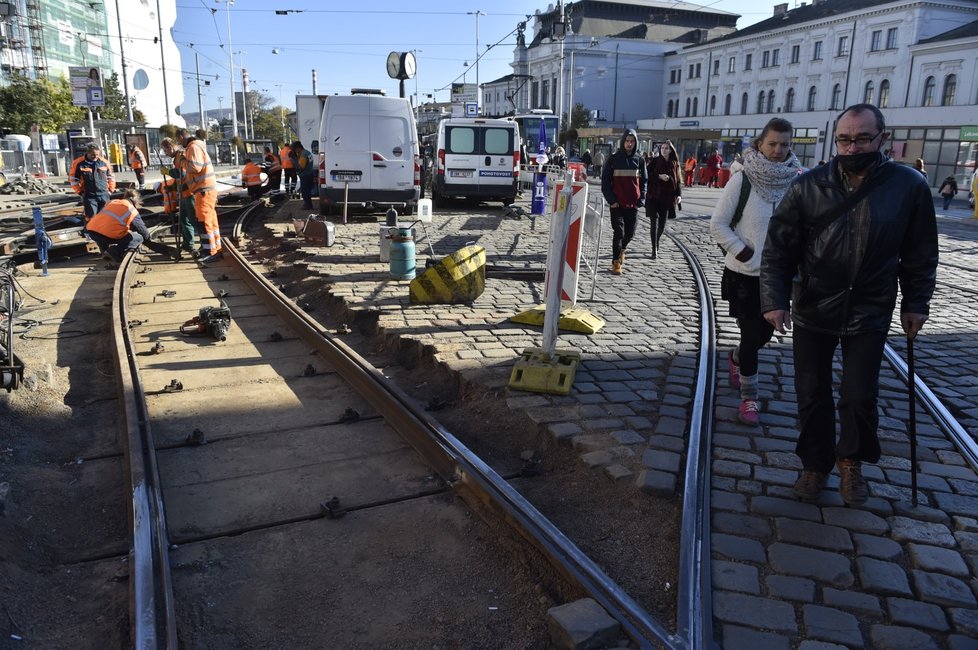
x=473 y=479
x=152 y=617
x=695 y=598
x=932 y=403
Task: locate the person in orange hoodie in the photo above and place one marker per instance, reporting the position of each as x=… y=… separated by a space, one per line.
x=91 y=178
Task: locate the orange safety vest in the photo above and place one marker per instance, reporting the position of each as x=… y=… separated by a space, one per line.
x=136 y=159
x=199 y=171
x=690 y=164
x=285 y=155
x=276 y=165
x=169 y=189
x=114 y=219
x=251 y=175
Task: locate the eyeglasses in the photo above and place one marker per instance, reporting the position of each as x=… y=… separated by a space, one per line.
x=843 y=142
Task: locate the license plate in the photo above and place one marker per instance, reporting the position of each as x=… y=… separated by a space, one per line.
x=460 y=173
x=347 y=178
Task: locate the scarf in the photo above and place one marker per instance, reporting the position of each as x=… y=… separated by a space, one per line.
x=770 y=179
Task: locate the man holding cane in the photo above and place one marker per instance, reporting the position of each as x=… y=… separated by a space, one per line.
x=838 y=244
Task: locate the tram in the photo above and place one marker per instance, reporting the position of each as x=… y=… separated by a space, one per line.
x=529 y=124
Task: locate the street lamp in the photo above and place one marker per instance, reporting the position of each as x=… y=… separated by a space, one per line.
x=478 y=91
x=281 y=110
x=244 y=92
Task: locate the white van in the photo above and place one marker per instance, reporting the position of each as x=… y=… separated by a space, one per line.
x=477 y=159
x=368 y=147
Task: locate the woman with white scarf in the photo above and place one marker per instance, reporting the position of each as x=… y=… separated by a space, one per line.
x=769 y=166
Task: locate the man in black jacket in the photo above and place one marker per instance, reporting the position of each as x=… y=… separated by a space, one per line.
x=841 y=272
x=623 y=181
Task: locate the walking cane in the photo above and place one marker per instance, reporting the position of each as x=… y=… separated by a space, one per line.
x=912 y=390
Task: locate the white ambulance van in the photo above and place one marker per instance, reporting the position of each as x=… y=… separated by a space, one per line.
x=368 y=149
x=477 y=159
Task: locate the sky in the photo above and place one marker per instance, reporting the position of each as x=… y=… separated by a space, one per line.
x=348 y=43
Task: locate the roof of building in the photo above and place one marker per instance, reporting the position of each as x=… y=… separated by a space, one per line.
x=964 y=31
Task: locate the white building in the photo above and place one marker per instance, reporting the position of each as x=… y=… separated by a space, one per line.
x=915 y=59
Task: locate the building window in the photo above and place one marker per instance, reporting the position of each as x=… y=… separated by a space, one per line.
x=760 y=102
x=811 y=98
x=884 y=93
x=776 y=57
x=535 y=94
x=698 y=74
x=689 y=104
x=891 y=35
x=789 y=100
x=669 y=108
x=766 y=59
x=713 y=104
x=691 y=71
x=876 y=41
x=672 y=76
x=869 y=92
x=929 y=91
x=732 y=64
x=950 y=87
x=696 y=106
x=545 y=94
x=716 y=68
x=836 y=97
x=747 y=61
x=817 y=51
x=770 y=101
x=726 y=105
x=843 y=46
x=795 y=53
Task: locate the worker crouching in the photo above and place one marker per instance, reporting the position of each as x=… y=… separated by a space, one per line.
x=118 y=228
x=251 y=179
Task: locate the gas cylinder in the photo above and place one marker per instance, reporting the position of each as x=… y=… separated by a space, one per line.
x=402 y=254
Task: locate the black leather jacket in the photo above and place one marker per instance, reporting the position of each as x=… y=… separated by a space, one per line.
x=845 y=280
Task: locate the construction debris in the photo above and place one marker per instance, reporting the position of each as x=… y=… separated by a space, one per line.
x=30 y=185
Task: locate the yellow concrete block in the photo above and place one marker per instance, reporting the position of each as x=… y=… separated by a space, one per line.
x=458 y=278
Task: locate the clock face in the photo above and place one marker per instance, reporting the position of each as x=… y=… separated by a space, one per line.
x=393 y=64
x=410 y=65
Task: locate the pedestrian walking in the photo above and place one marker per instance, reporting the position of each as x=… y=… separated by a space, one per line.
x=690 y=168
x=842 y=240
x=91 y=178
x=287 y=159
x=713 y=163
x=623 y=182
x=739 y=225
x=137 y=161
x=664 y=191
x=599 y=160
x=307 y=171
x=949 y=188
x=201 y=180
x=187 y=213
x=587 y=160
x=118 y=228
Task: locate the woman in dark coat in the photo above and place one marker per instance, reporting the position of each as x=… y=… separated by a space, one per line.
x=663 y=192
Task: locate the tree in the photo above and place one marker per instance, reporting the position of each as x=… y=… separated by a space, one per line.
x=115 y=102
x=580 y=118
x=25 y=102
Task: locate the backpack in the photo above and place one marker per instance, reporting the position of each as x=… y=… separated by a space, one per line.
x=741 y=202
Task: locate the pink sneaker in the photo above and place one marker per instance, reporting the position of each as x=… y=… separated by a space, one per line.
x=747 y=412
x=733 y=371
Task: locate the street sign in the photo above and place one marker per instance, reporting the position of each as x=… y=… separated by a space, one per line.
x=83 y=80
x=96 y=97
x=471 y=109
x=462 y=93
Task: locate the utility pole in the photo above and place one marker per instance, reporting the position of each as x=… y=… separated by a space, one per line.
x=166 y=96
x=125 y=70
x=200 y=99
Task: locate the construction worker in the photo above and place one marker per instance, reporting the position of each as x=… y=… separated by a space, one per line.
x=199 y=176
x=188 y=217
x=118 y=228
x=91 y=178
x=287 y=161
x=138 y=163
x=251 y=178
x=273 y=167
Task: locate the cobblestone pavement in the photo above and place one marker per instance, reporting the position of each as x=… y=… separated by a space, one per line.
x=786 y=574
